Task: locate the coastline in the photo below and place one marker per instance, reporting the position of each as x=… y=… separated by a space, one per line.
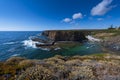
x=65 y=67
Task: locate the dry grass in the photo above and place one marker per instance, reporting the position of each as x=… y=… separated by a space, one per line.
x=93 y=67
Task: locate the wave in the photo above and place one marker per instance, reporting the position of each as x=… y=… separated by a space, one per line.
x=14 y=55
x=90 y=38
x=58 y=48
x=30 y=43
x=9 y=43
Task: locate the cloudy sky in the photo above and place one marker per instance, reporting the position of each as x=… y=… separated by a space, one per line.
x=36 y=15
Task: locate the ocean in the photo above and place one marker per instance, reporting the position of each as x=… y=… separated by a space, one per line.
x=17 y=43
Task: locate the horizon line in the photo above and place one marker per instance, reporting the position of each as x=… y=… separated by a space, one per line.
x=49 y=30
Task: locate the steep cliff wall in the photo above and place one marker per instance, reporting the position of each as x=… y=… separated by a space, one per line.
x=65 y=35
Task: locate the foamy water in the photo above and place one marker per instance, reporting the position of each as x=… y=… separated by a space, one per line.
x=30 y=43
x=90 y=38
x=7 y=43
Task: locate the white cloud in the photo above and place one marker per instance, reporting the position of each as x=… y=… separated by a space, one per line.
x=102 y=8
x=100 y=19
x=72 y=20
x=77 y=15
x=67 y=20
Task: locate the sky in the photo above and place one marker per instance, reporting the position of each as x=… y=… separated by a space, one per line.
x=37 y=15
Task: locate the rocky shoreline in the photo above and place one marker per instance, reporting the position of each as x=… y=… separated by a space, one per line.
x=104 y=66
x=52 y=37
x=113 y=43
x=110 y=40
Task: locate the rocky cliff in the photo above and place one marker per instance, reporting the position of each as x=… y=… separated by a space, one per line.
x=65 y=35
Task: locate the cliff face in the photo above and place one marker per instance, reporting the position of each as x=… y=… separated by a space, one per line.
x=65 y=35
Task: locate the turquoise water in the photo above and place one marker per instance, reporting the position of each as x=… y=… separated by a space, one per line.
x=12 y=44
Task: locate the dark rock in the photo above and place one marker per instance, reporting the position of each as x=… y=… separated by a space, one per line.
x=45 y=44
x=78 y=36
x=51 y=37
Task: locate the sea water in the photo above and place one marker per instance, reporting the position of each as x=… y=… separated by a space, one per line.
x=17 y=43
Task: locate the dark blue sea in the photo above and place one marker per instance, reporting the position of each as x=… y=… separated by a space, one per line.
x=17 y=43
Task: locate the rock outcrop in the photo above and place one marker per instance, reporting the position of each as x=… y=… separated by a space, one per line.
x=112 y=43
x=60 y=35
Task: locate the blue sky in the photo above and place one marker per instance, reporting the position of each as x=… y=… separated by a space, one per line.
x=36 y=15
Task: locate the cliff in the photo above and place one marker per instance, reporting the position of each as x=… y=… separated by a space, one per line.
x=66 y=35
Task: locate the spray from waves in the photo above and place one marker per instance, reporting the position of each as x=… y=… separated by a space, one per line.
x=90 y=38
x=30 y=43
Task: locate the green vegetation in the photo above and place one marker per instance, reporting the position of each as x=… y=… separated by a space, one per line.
x=67 y=44
x=99 y=55
x=14 y=66
x=103 y=34
x=90 y=67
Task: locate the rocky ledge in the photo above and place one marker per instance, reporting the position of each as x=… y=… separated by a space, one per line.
x=53 y=37
x=112 y=43
x=110 y=40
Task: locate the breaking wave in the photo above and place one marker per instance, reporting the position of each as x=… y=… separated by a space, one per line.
x=90 y=38
x=30 y=43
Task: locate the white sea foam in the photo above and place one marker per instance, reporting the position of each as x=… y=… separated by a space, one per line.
x=45 y=49
x=14 y=55
x=30 y=43
x=87 y=47
x=58 y=48
x=9 y=43
x=90 y=38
